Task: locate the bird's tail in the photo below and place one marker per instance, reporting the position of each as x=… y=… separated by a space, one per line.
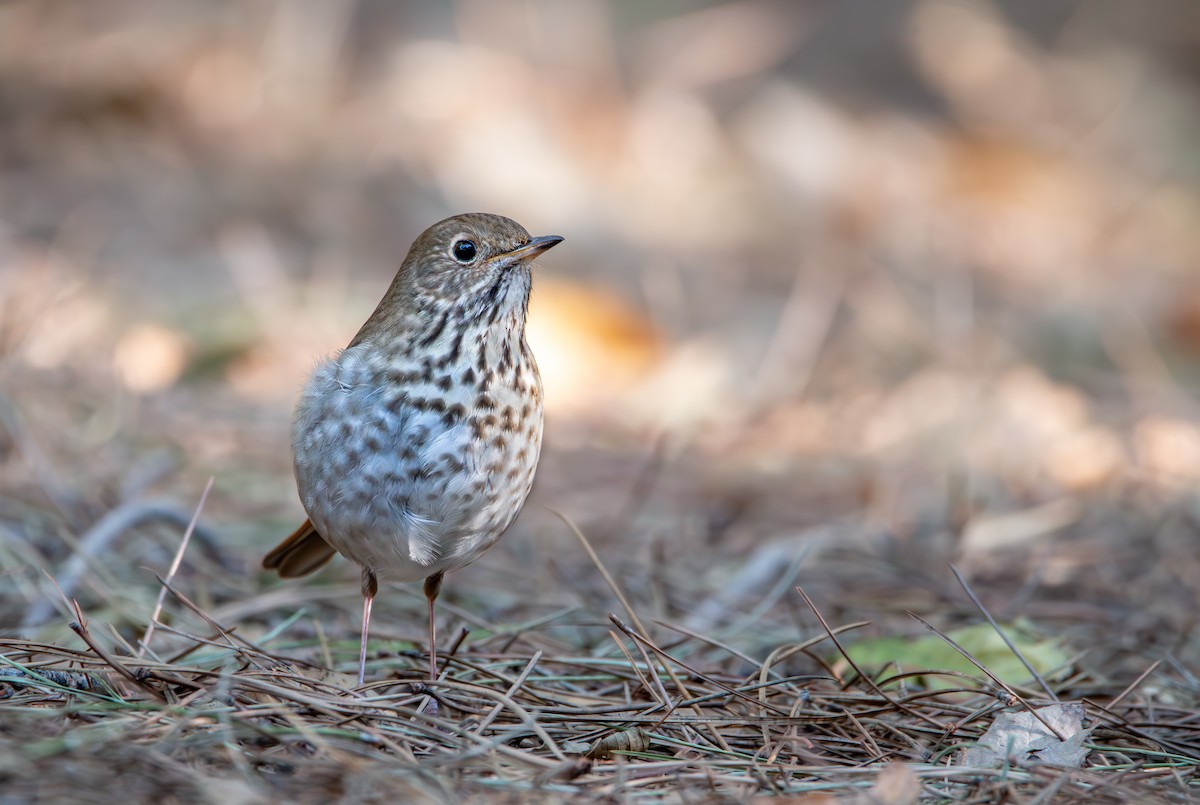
x=300 y=554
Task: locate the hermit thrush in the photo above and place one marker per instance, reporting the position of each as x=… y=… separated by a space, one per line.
x=415 y=447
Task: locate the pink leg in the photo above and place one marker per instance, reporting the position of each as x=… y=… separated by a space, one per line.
x=433 y=586
x=362 y=649
x=432 y=644
x=369 y=587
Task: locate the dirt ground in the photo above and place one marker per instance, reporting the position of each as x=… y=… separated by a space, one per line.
x=876 y=329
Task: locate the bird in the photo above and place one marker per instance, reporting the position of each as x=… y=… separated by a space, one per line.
x=415 y=447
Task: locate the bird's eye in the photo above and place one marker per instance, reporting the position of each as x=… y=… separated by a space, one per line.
x=464 y=251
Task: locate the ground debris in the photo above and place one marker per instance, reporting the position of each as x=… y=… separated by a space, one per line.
x=1054 y=735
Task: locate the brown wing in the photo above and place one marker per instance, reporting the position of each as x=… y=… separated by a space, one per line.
x=300 y=554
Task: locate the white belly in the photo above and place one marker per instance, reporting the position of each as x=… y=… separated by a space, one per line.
x=404 y=487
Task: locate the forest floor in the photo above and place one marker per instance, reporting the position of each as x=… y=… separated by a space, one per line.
x=871 y=467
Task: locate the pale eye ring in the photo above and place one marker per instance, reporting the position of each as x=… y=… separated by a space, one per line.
x=464 y=250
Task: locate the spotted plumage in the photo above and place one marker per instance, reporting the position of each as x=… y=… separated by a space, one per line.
x=416 y=446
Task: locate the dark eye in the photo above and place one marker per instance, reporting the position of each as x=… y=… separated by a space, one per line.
x=464 y=251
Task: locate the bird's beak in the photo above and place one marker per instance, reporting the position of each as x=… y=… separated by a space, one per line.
x=534 y=247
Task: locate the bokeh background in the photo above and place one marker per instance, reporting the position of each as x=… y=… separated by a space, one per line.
x=850 y=291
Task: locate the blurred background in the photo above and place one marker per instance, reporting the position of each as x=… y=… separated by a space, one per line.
x=850 y=291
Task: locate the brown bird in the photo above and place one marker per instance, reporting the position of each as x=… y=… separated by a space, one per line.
x=415 y=447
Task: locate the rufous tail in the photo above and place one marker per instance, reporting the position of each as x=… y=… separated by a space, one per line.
x=300 y=554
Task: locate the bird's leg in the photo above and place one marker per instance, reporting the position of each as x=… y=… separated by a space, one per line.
x=433 y=586
x=370 y=586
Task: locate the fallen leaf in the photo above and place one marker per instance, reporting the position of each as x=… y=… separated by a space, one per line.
x=1021 y=739
x=990 y=532
x=935 y=654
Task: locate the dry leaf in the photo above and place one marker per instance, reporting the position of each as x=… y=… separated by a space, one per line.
x=1168 y=449
x=579 y=333
x=627 y=741
x=1022 y=739
x=150 y=357
x=999 y=531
